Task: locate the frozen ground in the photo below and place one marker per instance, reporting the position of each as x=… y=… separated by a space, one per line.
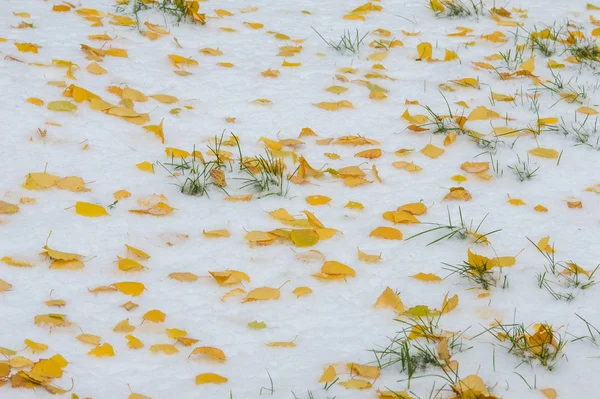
x=337 y=323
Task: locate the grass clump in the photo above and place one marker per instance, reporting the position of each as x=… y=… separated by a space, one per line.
x=347 y=42
x=456 y=8
x=538 y=343
x=459 y=229
x=177 y=10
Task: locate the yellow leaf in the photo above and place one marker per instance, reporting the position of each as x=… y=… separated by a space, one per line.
x=587 y=111
x=27 y=47
x=354 y=205
x=502 y=97
x=167 y=349
x=211 y=51
x=90 y=210
x=328 y=375
x=282 y=344
x=458 y=193
x=528 y=65
x=61 y=106
x=356 y=384
x=89 y=339
x=262 y=294
x=475 y=167
x=301 y=291
x=35 y=347
x=317 y=200
x=257 y=325
x=137 y=252
x=209 y=351
x=130 y=265
x=216 y=233
x=369 y=154
x=254 y=25
x=210 y=378
x=426 y=277
x=184 y=277
x=450 y=55
x=368 y=258
x=56 y=303
x=389 y=299
x=363 y=370
x=516 y=202
x=72 y=183
x=388 y=233
x=336 y=89
x=35 y=101
x=145 y=166
x=425 y=51
x=155 y=316
x=164 y=98
x=304 y=237
x=449 y=305
x=544 y=152
x=104 y=350
x=432 y=151
x=8 y=208
x=17 y=263
x=550 y=393
x=471 y=385
x=117 y=52
x=157 y=129
x=230 y=277
x=130 y=287
x=133 y=342
x=179 y=61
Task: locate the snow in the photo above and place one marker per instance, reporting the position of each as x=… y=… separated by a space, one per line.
x=337 y=323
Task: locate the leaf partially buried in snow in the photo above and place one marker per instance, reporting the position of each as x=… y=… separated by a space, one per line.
x=389 y=299
x=210 y=378
x=210 y=352
x=388 y=233
x=262 y=294
x=335 y=270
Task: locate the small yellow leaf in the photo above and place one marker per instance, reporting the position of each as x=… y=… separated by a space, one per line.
x=167 y=349
x=35 y=101
x=104 y=350
x=155 y=316
x=145 y=166
x=133 y=342
x=301 y=291
x=90 y=210
x=426 y=277
x=368 y=258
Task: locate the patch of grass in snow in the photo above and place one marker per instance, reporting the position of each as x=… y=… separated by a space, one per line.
x=444 y=124
x=544 y=345
x=523 y=169
x=560 y=278
x=348 y=41
x=177 y=10
x=422 y=345
x=457 y=8
x=459 y=229
x=479 y=275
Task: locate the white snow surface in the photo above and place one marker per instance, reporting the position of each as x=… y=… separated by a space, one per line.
x=337 y=323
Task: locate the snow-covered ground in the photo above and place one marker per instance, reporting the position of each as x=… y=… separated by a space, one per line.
x=337 y=324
